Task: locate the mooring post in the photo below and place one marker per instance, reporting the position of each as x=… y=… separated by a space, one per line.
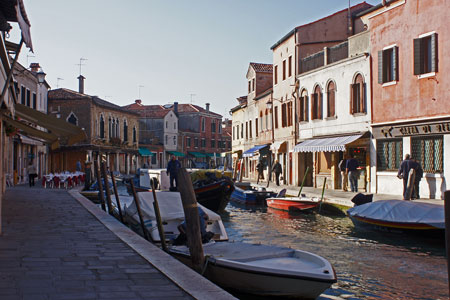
x=117 y=196
x=303 y=182
x=191 y=215
x=107 y=188
x=139 y=211
x=158 y=217
x=99 y=184
x=447 y=232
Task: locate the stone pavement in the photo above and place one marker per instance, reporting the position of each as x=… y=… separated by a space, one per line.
x=55 y=247
x=334 y=196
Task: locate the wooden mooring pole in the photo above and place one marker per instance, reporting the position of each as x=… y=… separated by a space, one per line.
x=117 y=197
x=99 y=184
x=194 y=238
x=107 y=188
x=303 y=182
x=138 y=208
x=447 y=233
x=158 y=217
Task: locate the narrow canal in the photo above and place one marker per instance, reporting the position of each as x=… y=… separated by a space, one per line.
x=368 y=264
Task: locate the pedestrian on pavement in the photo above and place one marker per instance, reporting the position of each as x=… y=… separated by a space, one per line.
x=172 y=169
x=78 y=166
x=344 y=179
x=351 y=170
x=277 y=170
x=260 y=170
x=32 y=173
x=403 y=173
x=418 y=177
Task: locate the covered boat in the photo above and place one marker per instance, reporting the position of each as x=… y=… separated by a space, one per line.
x=263 y=270
x=293 y=203
x=399 y=214
x=246 y=194
x=172 y=215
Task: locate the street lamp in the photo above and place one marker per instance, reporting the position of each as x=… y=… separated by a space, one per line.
x=41 y=76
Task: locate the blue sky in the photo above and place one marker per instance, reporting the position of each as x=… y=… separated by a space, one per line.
x=171 y=48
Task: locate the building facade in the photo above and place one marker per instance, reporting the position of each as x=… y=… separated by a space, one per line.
x=411 y=114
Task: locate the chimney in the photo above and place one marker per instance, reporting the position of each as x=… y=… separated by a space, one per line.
x=207 y=106
x=34 y=67
x=175 y=107
x=138 y=101
x=81 y=79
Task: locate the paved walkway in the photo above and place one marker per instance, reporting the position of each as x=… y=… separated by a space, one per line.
x=55 y=247
x=334 y=196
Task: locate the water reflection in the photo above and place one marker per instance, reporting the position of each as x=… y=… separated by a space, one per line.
x=369 y=264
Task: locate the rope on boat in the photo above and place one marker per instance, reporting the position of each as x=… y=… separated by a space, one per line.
x=205 y=265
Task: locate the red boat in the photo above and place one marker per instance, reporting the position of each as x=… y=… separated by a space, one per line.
x=293 y=203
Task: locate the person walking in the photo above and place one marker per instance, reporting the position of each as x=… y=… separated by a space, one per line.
x=418 y=177
x=277 y=170
x=32 y=173
x=344 y=179
x=172 y=169
x=351 y=170
x=260 y=170
x=78 y=166
x=403 y=173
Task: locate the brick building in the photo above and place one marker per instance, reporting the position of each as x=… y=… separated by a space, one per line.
x=110 y=130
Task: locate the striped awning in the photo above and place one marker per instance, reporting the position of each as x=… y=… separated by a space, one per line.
x=330 y=144
x=252 y=151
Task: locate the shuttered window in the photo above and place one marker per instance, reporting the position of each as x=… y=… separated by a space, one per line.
x=276 y=116
x=425 y=54
x=289 y=113
x=283 y=115
x=304 y=106
x=331 y=93
x=316 y=105
x=357 y=95
x=388 y=65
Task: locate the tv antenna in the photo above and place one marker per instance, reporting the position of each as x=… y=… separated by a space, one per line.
x=139 y=90
x=28 y=56
x=81 y=63
x=58 y=80
x=192 y=96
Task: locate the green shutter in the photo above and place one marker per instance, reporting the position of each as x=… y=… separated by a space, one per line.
x=380 y=67
x=395 y=63
x=434 y=53
x=418 y=57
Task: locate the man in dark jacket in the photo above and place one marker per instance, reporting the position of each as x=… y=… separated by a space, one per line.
x=172 y=170
x=351 y=169
x=277 y=170
x=260 y=170
x=403 y=173
x=418 y=177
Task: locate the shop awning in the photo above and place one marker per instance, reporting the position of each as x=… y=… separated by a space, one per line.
x=252 y=151
x=176 y=153
x=145 y=152
x=197 y=154
x=65 y=131
x=330 y=144
x=277 y=145
x=211 y=155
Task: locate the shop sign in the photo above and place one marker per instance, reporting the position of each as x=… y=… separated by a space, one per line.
x=412 y=130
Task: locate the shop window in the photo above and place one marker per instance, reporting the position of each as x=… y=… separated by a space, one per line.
x=357 y=95
x=425 y=54
x=324 y=162
x=388 y=65
x=389 y=154
x=428 y=151
x=316 y=104
x=331 y=94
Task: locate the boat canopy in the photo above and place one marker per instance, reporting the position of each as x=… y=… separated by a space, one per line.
x=252 y=151
x=145 y=152
x=401 y=211
x=330 y=144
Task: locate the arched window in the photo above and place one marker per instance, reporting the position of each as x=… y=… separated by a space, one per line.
x=102 y=127
x=110 y=127
x=357 y=95
x=331 y=102
x=72 y=119
x=113 y=128
x=316 y=104
x=174 y=140
x=134 y=135
x=125 y=131
x=117 y=128
x=303 y=106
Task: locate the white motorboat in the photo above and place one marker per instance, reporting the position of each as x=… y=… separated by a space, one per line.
x=263 y=270
x=172 y=215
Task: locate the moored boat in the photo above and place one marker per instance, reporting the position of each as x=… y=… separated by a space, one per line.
x=263 y=270
x=246 y=194
x=399 y=215
x=293 y=203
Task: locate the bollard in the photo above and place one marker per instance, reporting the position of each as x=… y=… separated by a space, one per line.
x=117 y=197
x=191 y=215
x=158 y=217
x=100 y=185
x=107 y=188
x=138 y=208
x=447 y=232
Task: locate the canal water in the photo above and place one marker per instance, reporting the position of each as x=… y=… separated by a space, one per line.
x=368 y=264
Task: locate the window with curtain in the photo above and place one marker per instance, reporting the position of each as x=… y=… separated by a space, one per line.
x=429 y=152
x=389 y=154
